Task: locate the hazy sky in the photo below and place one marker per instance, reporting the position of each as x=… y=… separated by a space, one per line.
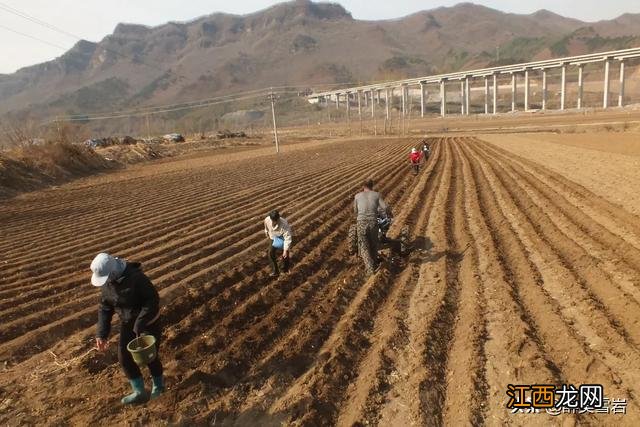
x=94 y=19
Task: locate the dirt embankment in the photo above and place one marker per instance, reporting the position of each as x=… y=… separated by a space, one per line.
x=33 y=167
x=38 y=166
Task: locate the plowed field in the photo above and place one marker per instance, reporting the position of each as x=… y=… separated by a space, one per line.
x=516 y=275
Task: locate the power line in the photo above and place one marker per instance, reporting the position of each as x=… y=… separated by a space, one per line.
x=187 y=104
x=201 y=103
x=195 y=103
x=45 y=24
x=33 y=37
x=36 y=20
x=150 y=109
x=81 y=118
x=50 y=26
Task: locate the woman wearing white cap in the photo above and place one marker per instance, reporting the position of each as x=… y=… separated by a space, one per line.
x=127 y=291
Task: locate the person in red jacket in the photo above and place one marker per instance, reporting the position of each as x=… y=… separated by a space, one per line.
x=415 y=158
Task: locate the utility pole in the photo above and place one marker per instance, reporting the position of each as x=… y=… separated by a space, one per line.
x=360 y=107
x=148 y=131
x=407 y=130
x=272 y=98
x=58 y=127
x=373 y=113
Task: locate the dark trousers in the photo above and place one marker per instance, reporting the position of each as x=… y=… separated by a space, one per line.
x=130 y=368
x=273 y=253
x=416 y=167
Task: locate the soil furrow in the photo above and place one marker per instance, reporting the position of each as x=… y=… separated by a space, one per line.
x=379 y=371
x=440 y=332
x=567 y=355
x=79 y=320
x=130 y=241
x=513 y=352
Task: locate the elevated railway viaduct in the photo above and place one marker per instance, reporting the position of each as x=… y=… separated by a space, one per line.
x=382 y=94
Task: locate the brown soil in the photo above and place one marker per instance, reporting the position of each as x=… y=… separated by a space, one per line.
x=518 y=274
x=605 y=163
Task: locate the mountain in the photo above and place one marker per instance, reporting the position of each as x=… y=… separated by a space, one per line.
x=298 y=42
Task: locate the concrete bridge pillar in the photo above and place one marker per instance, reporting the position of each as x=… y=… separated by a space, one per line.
x=486 y=95
x=467 y=95
x=360 y=103
x=387 y=100
x=526 y=90
x=605 y=97
x=373 y=104
x=544 y=89
x=621 y=94
x=563 y=86
x=462 y=102
x=337 y=101
x=422 y=99
x=391 y=94
x=443 y=98
x=580 y=84
x=347 y=99
x=513 y=91
x=495 y=94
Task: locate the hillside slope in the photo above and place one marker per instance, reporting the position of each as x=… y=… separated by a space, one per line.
x=298 y=42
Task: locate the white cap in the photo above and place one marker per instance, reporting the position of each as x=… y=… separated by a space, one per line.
x=102 y=266
x=413 y=150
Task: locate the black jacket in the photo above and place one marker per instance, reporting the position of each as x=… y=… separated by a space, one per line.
x=133 y=297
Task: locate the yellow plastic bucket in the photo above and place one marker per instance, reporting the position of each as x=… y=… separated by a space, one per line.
x=143 y=349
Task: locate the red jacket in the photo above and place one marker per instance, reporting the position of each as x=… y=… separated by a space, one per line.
x=415 y=157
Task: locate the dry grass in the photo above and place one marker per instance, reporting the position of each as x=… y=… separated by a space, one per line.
x=31 y=167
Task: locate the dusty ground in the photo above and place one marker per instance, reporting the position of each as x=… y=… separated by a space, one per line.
x=521 y=272
x=606 y=163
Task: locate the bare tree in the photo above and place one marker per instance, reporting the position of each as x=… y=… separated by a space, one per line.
x=19 y=133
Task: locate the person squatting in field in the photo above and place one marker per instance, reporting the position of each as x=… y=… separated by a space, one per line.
x=278 y=230
x=368 y=205
x=414 y=159
x=126 y=290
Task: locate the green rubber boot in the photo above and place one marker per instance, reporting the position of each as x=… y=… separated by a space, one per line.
x=139 y=394
x=158 y=386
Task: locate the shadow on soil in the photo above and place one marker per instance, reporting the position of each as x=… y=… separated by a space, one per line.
x=420 y=252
